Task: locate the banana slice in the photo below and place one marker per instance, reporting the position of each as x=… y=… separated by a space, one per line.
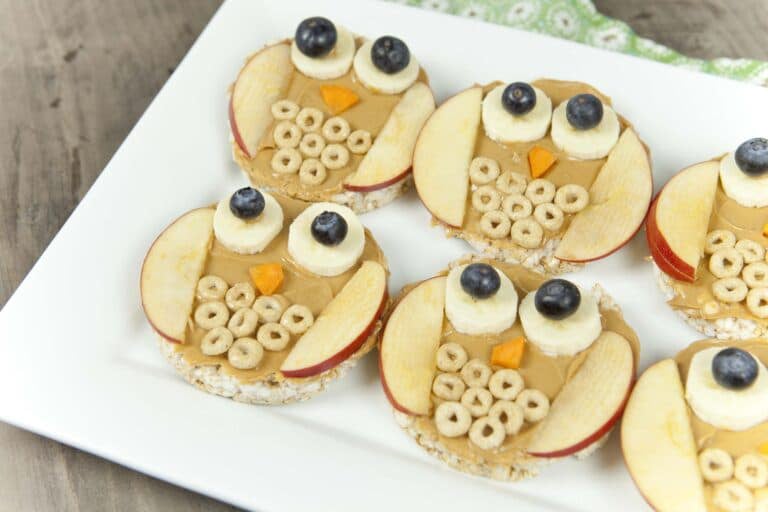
x=469 y=315
x=585 y=144
x=248 y=236
x=325 y=260
x=334 y=64
x=503 y=127
x=564 y=337
x=721 y=407
x=379 y=81
x=750 y=191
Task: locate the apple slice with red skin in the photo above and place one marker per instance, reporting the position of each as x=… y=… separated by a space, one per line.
x=343 y=326
x=408 y=352
x=443 y=153
x=658 y=443
x=677 y=226
x=172 y=267
x=261 y=82
x=659 y=257
x=590 y=403
x=389 y=158
x=619 y=200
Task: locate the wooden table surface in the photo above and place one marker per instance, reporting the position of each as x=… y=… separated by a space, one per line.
x=75 y=75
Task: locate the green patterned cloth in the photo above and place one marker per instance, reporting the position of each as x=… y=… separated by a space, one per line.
x=578 y=20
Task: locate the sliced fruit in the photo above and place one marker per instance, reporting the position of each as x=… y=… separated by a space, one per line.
x=313 y=253
x=171 y=270
x=658 y=444
x=343 y=326
x=262 y=81
x=267 y=278
x=619 y=199
x=368 y=73
x=591 y=402
x=561 y=336
x=509 y=354
x=442 y=155
x=330 y=65
x=510 y=116
x=540 y=159
x=471 y=313
x=409 y=347
x=389 y=159
x=338 y=98
x=677 y=226
x=765 y=229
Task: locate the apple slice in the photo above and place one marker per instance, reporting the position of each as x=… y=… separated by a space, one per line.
x=619 y=200
x=389 y=159
x=262 y=81
x=171 y=270
x=343 y=326
x=677 y=228
x=589 y=404
x=407 y=361
x=442 y=155
x=658 y=445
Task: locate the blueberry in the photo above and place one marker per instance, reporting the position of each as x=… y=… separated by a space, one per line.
x=752 y=157
x=329 y=228
x=316 y=36
x=734 y=368
x=390 y=55
x=584 y=111
x=518 y=98
x=557 y=299
x=247 y=203
x=480 y=280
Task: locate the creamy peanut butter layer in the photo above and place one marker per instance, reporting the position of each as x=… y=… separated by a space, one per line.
x=539 y=371
x=513 y=157
x=370 y=113
x=299 y=287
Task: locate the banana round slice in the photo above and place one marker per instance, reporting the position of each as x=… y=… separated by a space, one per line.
x=721 y=407
x=248 y=236
x=320 y=259
x=750 y=191
x=379 y=81
x=564 y=337
x=503 y=127
x=585 y=144
x=479 y=316
x=334 y=64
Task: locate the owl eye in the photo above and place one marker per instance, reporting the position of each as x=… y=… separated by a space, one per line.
x=386 y=65
x=321 y=49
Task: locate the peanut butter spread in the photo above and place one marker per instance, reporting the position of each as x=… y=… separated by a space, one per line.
x=514 y=157
x=539 y=371
x=746 y=223
x=707 y=436
x=370 y=113
x=299 y=287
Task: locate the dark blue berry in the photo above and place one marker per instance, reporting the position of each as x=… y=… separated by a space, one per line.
x=584 y=111
x=557 y=299
x=247 y=203
x=329 y=228
x=390 y=55
x=480 y=280
x=316 y=36
x=734 y=368
x=752 y=157
x=518 y=98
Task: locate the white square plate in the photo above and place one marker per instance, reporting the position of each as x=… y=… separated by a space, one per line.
x=78 y=362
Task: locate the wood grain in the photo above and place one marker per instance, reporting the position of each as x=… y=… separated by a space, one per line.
x=75 y=75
